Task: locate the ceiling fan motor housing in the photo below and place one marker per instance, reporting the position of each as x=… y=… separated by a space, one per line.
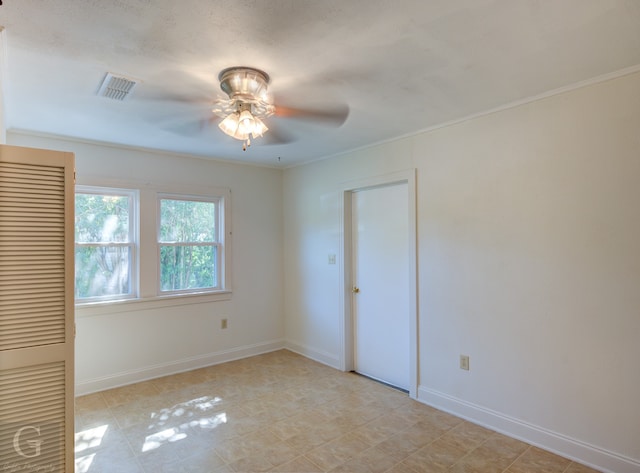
x=244 y=83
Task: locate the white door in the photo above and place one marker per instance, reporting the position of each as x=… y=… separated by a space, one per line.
x=380 y=219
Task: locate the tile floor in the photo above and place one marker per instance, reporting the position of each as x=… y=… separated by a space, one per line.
x=281 y=412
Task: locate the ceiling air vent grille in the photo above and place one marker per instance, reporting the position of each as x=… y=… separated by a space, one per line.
x=116 y=87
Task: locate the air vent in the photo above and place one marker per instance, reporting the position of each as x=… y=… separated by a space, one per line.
x=116 y=87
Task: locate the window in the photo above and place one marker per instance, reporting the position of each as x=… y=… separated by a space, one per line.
x=149 y=244
x=189 y=244
x=105 y=243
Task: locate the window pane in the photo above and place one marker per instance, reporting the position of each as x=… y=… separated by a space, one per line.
x=184 y=221
x=188 y=267
x=102 y=218
x=102 y=271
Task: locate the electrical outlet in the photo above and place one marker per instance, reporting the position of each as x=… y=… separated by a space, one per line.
x=223 y=324
x=464 y=362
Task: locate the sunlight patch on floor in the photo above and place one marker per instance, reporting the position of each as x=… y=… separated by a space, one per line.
x=90 y=438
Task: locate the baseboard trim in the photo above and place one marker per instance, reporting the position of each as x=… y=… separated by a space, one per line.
x=581 y=452
x=323 y=357
x=164 y=369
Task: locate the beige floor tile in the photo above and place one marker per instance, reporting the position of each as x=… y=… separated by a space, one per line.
x=233 y=450
x=391 y=424
x=87 y=419
x=535 y=460
x=298 y=465
x=279 y=453
x=437 y=456
x=422 y=434
x=482 y=460
x=443 y=419
x=150 y=440
x=337 y=452
x=399 y=446
x=298 y=424
x=467 y=436
x=245 y=424
x=403 y=468
x=96 y=463
x=203 y=461
x=253 y=463
x=283 y=412
x=493 y=456
x=103 y=441
x=503 y=446
x=371 y=460
x=261 y=440
x=130 y=393
x=149 y=412
x=90 y=402
x=305 y=442
x=164 y=458
x=578 y=468
x=222 y=469
x=372 y=434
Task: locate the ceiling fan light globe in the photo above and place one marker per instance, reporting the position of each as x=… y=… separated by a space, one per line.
x=259 y=128
x=246 y=117
x=247 y=122
x=240 y=135
x=230 y=124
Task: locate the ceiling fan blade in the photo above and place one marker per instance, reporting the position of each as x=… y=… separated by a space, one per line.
x=277 y=136
x=332 y=116
x=169 y=97
x=190 y=128
x=176 y=85
x=186 y=124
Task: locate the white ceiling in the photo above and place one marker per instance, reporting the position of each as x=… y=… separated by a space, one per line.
x=401 y=66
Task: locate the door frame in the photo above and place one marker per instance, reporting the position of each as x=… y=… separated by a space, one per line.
x=347 y=362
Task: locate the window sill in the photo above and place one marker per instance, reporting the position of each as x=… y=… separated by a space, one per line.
x=130 y=305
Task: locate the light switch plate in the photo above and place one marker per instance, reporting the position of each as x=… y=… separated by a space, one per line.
x=464 y=362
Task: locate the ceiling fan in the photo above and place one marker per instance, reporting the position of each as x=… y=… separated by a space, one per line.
x=249 y=104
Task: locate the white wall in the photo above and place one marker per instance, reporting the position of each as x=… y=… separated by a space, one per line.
x=529 y=262
x=119 y=344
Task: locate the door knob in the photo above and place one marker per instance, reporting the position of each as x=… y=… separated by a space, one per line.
x=355 y=289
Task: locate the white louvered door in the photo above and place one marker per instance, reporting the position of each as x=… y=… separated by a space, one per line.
x=36 y=310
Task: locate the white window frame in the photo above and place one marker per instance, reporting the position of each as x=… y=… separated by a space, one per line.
x=218 y=243
x=148 y=295
x=134 y=271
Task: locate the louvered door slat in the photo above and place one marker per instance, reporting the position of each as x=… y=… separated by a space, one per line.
x=35 y=286
x=34 y=269
x=32 y=399
x=34 y=325
x=33 y=183
x=28 y=214
x=17 y=310
x=36 y=309
x=15 y=181
x=29 y=204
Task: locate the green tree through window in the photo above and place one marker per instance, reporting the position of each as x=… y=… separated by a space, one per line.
x=121 y=256
x=104 y=244
x=189 y=244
